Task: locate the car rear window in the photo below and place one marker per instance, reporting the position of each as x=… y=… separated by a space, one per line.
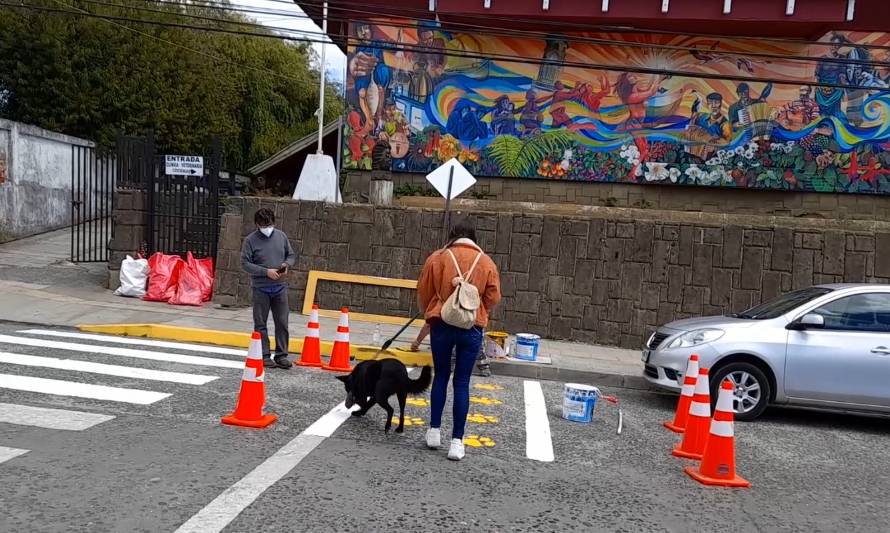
x=783 y=304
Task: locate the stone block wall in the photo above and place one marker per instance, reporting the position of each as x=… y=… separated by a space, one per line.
x=654 y=197
x=130 y=219
x=600 y=275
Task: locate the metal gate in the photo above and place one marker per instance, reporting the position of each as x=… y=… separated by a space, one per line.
x=92 y=199
x=183 y=211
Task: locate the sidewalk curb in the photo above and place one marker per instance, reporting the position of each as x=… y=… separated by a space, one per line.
x=551 y=373
x=242 y=340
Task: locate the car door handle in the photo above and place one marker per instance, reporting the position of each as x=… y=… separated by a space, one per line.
x=881 y=350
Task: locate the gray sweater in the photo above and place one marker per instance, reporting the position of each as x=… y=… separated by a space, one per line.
x=260 y=253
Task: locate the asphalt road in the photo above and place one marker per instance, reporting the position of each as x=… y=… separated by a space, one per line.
x=158 y=464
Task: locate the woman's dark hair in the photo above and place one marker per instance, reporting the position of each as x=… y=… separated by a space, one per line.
x=264 y=217
x=462 y=230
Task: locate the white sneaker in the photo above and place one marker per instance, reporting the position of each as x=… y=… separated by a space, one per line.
x=456 y=452
x=433 y=438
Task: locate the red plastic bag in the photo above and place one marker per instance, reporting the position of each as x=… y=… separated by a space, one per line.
x=163 y=277
x=195 y=284
x=204 y=268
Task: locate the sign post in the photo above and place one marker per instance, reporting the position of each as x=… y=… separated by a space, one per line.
x=450 y=180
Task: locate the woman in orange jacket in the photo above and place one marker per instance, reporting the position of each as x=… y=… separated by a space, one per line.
x=437 y=282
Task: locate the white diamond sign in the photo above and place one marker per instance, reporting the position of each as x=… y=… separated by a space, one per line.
x=452 y=170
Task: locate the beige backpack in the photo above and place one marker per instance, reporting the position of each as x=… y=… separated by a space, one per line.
x=459 y=309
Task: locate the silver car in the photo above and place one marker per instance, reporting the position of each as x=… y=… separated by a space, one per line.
x=826 y=346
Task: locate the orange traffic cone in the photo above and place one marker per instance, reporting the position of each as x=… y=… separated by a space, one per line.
x=339 y=361
x=252 y=397
x=718 y=463
x=311 y=354
x=682 y=414
x=696 y=433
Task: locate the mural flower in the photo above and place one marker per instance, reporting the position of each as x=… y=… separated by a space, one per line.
x=449 y=148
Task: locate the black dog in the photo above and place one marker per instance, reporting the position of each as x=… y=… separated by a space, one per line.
x=375 y=381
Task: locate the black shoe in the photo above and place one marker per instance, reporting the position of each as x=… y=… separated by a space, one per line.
x=268 y=362
x=282 y=362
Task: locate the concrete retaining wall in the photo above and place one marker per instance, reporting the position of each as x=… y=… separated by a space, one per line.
x=602 y=275
x=35 y=180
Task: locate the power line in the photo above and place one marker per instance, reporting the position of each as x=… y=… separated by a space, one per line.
x=373 y=44
x=490 y=30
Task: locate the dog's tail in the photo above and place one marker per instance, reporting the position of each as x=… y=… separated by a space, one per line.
x=422 y=383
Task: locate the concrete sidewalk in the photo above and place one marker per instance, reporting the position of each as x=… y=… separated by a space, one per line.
x=39 y=286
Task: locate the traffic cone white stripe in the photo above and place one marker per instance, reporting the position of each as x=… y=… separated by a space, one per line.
x=344 y=320
x=703 y=384
x=255 y=350
x=313 y=317
x=313 y=333
x=700 y=409
x=722 y=428
x=688 y=390
x=250 y=374
x=341 y=337
x=724 y=402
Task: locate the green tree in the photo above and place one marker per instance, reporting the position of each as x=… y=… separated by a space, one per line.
x=92 y=78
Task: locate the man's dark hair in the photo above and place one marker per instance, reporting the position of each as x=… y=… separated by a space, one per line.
x=462 y=230
x=264 y=217
x=715 y=97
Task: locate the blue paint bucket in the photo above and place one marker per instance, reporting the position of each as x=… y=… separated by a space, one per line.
x=527 y=346
x=579 y=402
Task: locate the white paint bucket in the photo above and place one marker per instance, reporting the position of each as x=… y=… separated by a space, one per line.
x=579 y=402
x=527 y=346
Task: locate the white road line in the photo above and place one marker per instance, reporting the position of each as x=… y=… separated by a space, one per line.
x=80 y=390
x=227 y=506
x=123 y=352
x=10 y=453
x=134 y=341
x=26 y=415
x=538 y=444
x=108 y=370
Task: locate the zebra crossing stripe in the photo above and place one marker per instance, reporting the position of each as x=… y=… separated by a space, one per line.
x=100 y=368
x=80 y=390
x=64 y=419
x=133 y=341
x=122 y=352
x=10 y=453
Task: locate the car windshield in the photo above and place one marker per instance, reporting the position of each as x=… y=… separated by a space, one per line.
x=783 y=304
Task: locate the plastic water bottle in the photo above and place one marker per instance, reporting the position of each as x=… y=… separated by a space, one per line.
x=377 y=335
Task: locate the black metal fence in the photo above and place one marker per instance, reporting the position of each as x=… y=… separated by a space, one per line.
x=92 y=199
x=183 y=210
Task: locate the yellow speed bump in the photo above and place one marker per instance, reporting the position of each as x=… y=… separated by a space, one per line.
x=236 y=339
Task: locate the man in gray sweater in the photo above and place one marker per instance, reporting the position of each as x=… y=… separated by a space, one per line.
x=267 y=256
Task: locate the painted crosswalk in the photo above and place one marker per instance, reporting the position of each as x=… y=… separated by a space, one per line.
x=39 y=365
x=64 y=419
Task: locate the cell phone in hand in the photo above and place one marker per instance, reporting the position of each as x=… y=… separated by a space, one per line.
x=282 y=270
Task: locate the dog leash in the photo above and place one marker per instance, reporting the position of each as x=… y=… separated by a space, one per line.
x=389 y=341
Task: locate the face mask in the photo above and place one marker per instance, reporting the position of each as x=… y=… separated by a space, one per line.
x=267 y=231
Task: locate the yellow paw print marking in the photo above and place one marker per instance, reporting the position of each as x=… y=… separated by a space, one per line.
x=482 y=419
x=409 y=421
x=483 y=400
x=418 y=402
x=487 y=386
x=475 y=441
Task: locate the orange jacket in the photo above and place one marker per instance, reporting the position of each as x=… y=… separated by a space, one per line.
x=435 y=283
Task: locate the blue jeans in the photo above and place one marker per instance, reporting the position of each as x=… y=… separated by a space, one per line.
x=465 y=343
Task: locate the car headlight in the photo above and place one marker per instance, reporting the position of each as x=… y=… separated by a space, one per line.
x=696 y=338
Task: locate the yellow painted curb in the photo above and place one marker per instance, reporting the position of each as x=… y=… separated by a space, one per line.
x=242 y=340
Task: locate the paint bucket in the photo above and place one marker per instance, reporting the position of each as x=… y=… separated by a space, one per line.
x=527 y=346
x=496 y=344
x=579 y=402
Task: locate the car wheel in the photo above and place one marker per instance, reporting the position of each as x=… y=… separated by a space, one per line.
x=751 y=389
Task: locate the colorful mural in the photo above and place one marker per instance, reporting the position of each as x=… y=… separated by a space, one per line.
x=460 y=97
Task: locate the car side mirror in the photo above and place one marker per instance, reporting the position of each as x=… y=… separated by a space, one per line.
x=808 y=321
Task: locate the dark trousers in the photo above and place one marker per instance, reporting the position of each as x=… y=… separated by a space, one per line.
x=464 y=343
x=277 y=303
